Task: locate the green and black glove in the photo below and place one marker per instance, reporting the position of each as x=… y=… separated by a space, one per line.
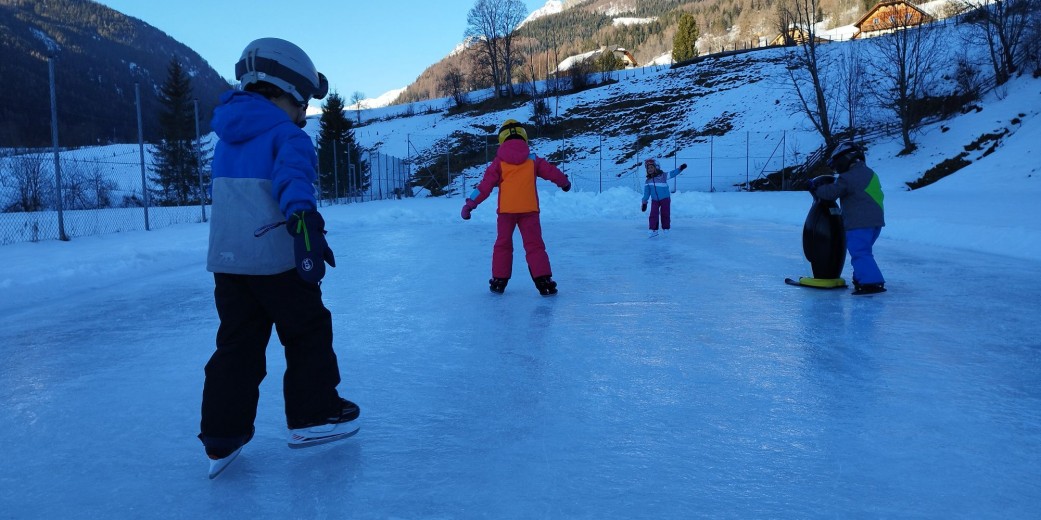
x=309 y=245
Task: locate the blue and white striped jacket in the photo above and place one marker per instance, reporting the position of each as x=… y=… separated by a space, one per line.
x=657 y=187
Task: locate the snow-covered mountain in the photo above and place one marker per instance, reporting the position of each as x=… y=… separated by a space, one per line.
x=551 y=7
x=379 y=101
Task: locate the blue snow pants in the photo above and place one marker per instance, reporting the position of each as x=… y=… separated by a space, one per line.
x=859 y=243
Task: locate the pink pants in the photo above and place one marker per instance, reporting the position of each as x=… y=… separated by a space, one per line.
x=534 y=247
x=661 y=206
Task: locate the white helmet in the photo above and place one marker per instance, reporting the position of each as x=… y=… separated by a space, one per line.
x=283 y=65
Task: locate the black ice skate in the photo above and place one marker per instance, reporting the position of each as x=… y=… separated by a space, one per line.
x=546 y=285
x=339 y=426
x=860 y=289
x=498 y=285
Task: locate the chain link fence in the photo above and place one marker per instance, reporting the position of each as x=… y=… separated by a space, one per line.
x=101 y=192
x=59 y=192
x=384 y=177
x=453 y=165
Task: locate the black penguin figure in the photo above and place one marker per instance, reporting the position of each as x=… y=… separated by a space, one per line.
x=824 y=242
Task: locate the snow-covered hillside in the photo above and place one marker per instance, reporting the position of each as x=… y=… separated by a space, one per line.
x=732 y=119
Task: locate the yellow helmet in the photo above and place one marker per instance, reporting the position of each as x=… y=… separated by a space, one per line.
x=512 y=128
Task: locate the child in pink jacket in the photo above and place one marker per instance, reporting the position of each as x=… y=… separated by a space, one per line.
x=513 y=171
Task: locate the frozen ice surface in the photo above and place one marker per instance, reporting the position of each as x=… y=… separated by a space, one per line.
x=670 y=378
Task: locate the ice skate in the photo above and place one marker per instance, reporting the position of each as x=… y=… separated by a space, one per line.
x=222 y=451
x=498 y=285
x=340 y=426
x=546 y=285
x=860 y=289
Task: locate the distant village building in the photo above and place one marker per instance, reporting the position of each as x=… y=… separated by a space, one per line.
x=890 y=16
x=627 y=58
x=796 y=35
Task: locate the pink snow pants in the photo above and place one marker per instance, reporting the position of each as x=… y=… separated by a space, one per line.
x=534 y=247
x=660 y=206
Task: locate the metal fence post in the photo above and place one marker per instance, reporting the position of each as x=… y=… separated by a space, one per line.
x=54 y=143
x=198 y=161
x=711 y=164
x=141 y=153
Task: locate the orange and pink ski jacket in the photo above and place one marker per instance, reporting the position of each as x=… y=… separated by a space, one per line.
x=514 y=170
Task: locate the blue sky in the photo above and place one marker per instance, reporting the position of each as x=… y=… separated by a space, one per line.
x=366 y=46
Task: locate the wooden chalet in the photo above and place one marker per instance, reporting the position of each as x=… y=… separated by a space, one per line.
x=889 y=16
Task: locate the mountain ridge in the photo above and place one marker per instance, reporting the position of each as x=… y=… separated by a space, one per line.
x=99 y=55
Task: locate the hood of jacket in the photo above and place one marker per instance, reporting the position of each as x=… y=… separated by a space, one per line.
x=514 y=151
x=241 y=116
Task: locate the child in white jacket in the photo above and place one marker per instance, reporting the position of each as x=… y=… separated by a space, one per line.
x=656 y=188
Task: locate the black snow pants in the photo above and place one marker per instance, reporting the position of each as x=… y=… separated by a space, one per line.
x=248 y=306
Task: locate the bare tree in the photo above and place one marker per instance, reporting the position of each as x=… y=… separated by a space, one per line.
x=454 y=83
x=28 y=181
x=785 y=23
x=514 y=12
x=74 y=185
x=1003 y=24
x=102 y=186
x=491 y=24
x=579 y=73
x=905 y=71
x=356 y=100
x=1032 y=41
x=967 y=78
x=852 y=85
x=806 y=69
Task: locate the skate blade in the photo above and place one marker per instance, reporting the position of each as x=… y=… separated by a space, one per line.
x=218 y=466
x=297 y=440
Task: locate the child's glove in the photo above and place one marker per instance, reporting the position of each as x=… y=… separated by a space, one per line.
x=683 y=166
x=643 y=206
x=309 y=246
x=468 y=206
x=567 y=187
x=817 y=181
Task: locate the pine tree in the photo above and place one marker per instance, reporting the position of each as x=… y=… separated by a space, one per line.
x=340 y=168
x=177 y=158
x=684 y=44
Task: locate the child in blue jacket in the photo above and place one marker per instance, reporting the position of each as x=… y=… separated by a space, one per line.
x=656 y=188
x=859 y=193
x=264 y=169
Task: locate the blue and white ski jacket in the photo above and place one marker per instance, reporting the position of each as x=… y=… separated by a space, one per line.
x=657 y=187
x=264 y=169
